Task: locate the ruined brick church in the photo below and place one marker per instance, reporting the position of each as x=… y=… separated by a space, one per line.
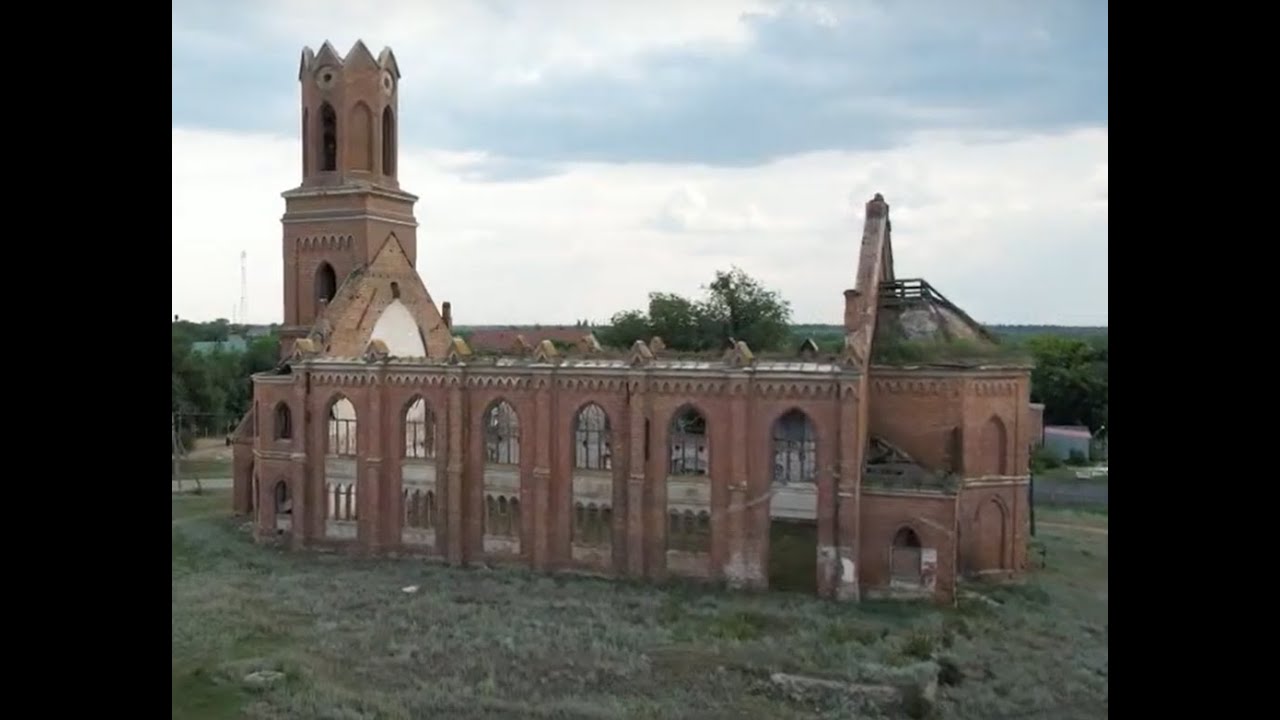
x=382 y=432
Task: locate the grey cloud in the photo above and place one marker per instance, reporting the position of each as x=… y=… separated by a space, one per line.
x=804 y=84
x=863 y=76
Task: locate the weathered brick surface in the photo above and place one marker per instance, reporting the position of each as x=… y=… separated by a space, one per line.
x=931 y=516
x=975 y=422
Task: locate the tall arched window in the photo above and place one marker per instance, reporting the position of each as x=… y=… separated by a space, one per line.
x=995 y=446
x=688 y=443
x=388 y=142
x=591 y=437
x=419 y=431
x=502 y=434
x=283 y=422
x=328 y=138
x=795 y=449
x=342 y=428
x=306 y=141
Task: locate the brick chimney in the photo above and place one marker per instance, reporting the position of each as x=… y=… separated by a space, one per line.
x=852 y=307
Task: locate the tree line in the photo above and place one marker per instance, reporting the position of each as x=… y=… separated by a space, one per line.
x=212 y=390
x=1070 y=375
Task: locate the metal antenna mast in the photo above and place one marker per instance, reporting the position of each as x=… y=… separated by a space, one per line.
x=244 y=288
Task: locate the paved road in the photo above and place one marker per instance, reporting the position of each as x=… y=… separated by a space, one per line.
x=205 y=483
x=1070 y=526
x=1067 y=492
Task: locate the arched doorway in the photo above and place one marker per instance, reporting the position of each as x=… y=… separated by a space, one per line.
x=905 y=567
x=992 y=528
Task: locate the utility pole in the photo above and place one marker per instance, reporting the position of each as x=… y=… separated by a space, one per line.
x=244 y=288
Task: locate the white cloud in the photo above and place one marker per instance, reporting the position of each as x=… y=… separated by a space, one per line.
x=506 y=42
x=1012 y=230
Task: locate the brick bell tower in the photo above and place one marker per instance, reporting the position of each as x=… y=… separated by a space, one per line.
x=350 y=200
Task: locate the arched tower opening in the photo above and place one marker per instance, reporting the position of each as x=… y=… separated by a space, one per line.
x=306 y=142
x=328 y=138
x=388 y=142
x=326 y=286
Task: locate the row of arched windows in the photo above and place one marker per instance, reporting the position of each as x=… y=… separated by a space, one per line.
x=794 y=442
x=328 y=150
x=592 y=525
x=419 y=509
x=501 y=516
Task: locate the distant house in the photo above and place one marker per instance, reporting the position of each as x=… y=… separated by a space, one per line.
x=1061 y=440
x=1037 y=425
x=502 y=340
x=233 y=344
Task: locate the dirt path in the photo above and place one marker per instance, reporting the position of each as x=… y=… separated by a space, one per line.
x=1069 y=526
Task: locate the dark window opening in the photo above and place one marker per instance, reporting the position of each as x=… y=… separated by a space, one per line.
x=326 y=284
x=284 y=504
x=284 y=422
x=395 y=291
x=306 y=141
x=388 y=143
x=329 y=138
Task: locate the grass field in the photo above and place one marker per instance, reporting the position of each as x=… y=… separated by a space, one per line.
x=512 y=644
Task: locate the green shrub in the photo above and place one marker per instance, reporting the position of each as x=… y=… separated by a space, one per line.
x=1042 y=459
x=918 y=645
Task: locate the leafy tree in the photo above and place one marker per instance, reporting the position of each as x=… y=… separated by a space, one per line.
x=736 y=306
x=215 y=386
x=1070 y=378
x=746 y=310
x=624 y=329
x=681 y=323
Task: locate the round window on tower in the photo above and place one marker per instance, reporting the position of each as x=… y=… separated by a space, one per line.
x=325 y=77
x=388 y=83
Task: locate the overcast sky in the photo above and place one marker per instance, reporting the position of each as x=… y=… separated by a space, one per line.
x=572 y=156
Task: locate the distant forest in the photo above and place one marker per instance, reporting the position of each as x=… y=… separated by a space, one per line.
x=1012 y=332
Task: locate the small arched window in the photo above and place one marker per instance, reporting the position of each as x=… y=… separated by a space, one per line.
x=284 y=504
x=326 y=285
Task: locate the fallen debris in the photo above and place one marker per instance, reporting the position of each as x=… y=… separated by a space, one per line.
x=409 y=589
x=263 y=678
x=917 y=697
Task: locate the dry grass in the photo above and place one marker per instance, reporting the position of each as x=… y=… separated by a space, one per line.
x=513 y=644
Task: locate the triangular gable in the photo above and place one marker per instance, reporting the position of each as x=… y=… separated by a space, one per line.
x=739 y=354
x=545 y=352
x=367 y=293
x=640 y=354
x=459 y=351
